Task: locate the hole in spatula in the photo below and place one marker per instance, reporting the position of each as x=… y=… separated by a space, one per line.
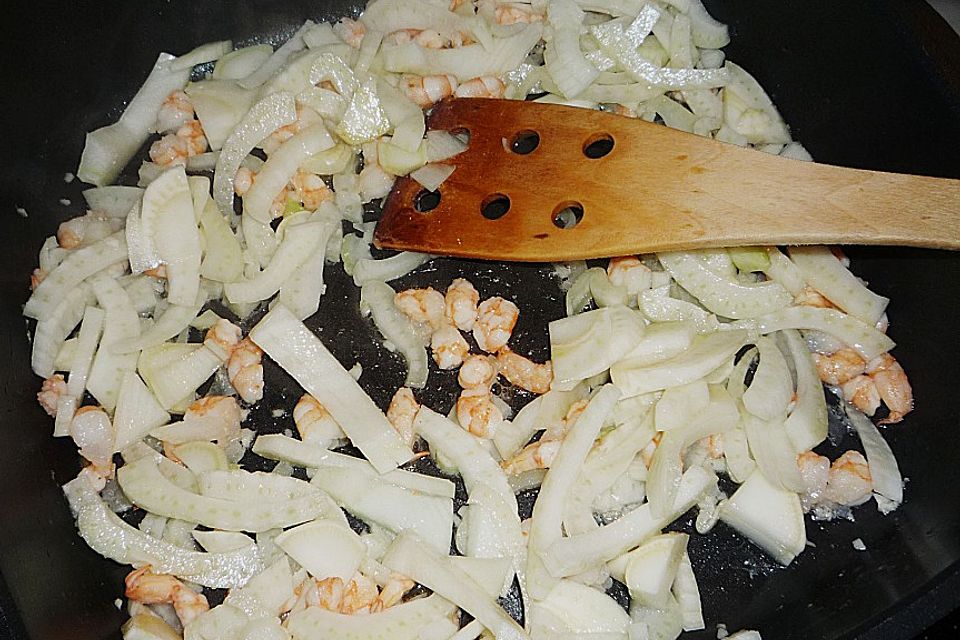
x=525 y=142
x=598 y=145
x=495 y=206
x=426 y=201
x=568 y=215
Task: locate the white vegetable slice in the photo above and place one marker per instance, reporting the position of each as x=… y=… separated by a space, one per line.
x=169 y=324
x=79 y=265
x=724 y=296
x=145 y=626
x=53 y=330
x=120 y=322
x=280 y=168
x=687 y=593
x=324 y=548
x=396 y=508
x=219 y=541
x=401 y=622
x=664 y=477
x=301 y=293
x=589 y=343
x=222 y=256
x=678 y=405
x=574 y=608
x=884 y=472
x=175 y=382
x=410 y=557
x=220 y=105
x=167 y=211
x=768 y=515
x=245 y=486
x=661 y=341
x=431 y=176
x=493 y=574
x=548 y=510
x=825 y=273
x=387 y=269
x=466 y=62
x=773 y=451
x=494 y=523
x=658 y=306
x=771 y=390
x=806 y=425
x=293 y=251
x=652 y=568
x=146 y=487
x=576 y=554
x=108 y=149
x=748 y=109
x=207 y=52
x=736 y=452
x=114 y=201
x=137 y=412
x=705 y=354
x=200 y=457
x=364 y=118
x=266 y=116
x=569 y=69
x=298 y=351
x=376 y=298
x=87 y=339
x=279 y=58
x=443 y=145
x=866 y=340
x=113 y=538
x=240 y=63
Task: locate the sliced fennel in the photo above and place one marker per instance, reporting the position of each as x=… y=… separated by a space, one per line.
x=652 y=568
x=589 y=343
x=137 y=412
x=297 y=350
x=401 y=622
x=324 y=548
x=167 y=211
x=377 y=299
x=771 y=390
x=768 y=515
x=574 y=608
x=142 y=482
x=884 y=472
x=110 y=536
x=825 y=273
x=806 y=426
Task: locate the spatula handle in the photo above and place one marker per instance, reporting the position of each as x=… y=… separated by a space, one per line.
x=656 y=189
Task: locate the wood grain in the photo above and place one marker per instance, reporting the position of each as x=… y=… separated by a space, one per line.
x=658 y=189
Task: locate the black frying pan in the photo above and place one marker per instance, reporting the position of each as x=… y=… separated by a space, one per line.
x=871 y=84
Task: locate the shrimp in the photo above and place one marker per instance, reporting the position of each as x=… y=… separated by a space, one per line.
x=50 y=392
x=449 y=347
x=311 y=190
x=892 y=385
x=85 y=229
x=36 y=278
x=146 y=587
x=481 y=87
x=516 y=13
x=460 y=304
x=523 y=372
x=392 y=592
x=350 y=31
x=424 y=306
x=630 y=273
x=402 y=412
x=220 y=410
x=175 y=111
x=478 y=372
x=329 y=593
x=477 y=414
x=810 y=298
x=222 y=338
x=92 y=432
x=862 y=393
x=426 y=90
x=245 y=370
x=356 y=596
x=314 y=422
x=243 y=181
x=537 y=455
x=839 y=367
x=646 y=454
x=814 y=472
x=495 y=321
x=849 y=482
x=174 y=148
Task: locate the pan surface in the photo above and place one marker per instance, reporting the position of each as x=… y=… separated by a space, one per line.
x=862 y=84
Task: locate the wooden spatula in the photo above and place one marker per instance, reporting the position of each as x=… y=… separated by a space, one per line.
x=543 y=182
